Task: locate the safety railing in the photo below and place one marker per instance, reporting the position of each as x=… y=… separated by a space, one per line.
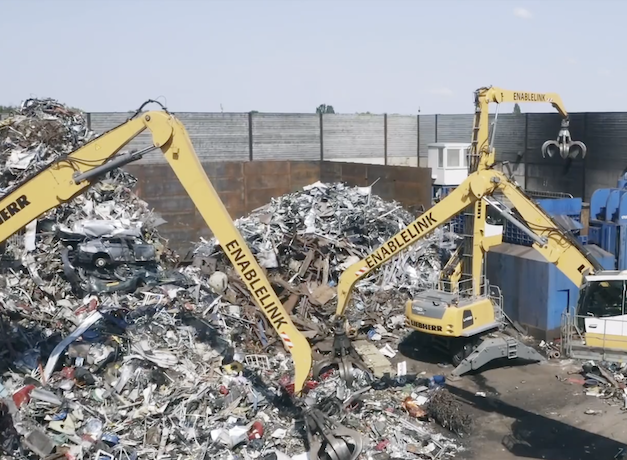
x=588 y=337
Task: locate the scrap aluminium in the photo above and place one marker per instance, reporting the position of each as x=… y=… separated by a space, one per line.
x=112 y=347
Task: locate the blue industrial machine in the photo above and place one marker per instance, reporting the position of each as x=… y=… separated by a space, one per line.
x=608 y=221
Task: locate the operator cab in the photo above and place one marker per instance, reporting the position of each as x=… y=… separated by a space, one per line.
x=602 y=310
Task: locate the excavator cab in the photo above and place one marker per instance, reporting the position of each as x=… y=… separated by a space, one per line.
x=601 y=313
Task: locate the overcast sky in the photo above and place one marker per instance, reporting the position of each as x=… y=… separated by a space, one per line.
x=395 y=56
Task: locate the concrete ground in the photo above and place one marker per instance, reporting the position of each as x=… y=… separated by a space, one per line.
x=534 y=411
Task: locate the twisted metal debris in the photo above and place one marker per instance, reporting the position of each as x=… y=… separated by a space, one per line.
x=156 y=359
x=41 y=131
x=310 y=237
x=446 y=410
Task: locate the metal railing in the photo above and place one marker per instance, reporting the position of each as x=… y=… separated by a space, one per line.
x=608 y=344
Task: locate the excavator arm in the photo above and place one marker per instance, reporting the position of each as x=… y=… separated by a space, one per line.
x=73 y=174
x=431 y=219
x=482 y=156
x=554 y=243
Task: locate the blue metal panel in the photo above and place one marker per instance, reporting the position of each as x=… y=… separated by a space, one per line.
x=594 y=235
x=563 y=295
x=570 y=207
x=535 y=292
x=523 y=282
x=598 y=202
x=611 y=209
x=562 y=206
x=558 y=303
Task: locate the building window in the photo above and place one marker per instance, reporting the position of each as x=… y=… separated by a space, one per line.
x=452 y=158
x=440 y=157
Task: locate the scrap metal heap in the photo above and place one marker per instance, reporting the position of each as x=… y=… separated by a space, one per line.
x=110 y=347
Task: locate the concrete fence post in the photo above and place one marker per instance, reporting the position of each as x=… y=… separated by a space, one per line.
x=418 y=140
x=250 y=136
x=321 y=117
x=385 y=139
x=436 y=128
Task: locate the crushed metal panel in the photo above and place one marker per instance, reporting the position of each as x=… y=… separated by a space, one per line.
x=373 y=358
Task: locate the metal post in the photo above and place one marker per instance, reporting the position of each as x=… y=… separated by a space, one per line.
x=583 y=160
x=418 y=140
x=250 y=136
x=321 y=137
x=385 y=138
x=436 y=127
x=526 y=145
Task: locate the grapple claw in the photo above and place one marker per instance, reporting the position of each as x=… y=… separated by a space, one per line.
x=343 y=358
x=329 y=440
x=564 y=145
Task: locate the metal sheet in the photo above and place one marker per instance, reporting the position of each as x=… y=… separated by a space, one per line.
x=286 y=136
x=402 y=136
x=353 y=136
x=427 y=133
x=509 y=139
x=454 y=128
x=606 y=137
x=215 y=136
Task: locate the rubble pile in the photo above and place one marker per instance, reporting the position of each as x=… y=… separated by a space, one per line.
x=308 y=238
x=607 y=381
x=112 y=349
x=40 y=131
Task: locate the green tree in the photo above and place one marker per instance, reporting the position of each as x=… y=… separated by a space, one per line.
x=8 y=108
x=517 y=108
x=324 y=108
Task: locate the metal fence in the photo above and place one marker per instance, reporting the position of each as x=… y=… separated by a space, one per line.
x=403 y=140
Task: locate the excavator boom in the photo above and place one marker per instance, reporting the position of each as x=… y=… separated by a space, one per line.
x=550 y=240
x=433 y=218
x=73 y=174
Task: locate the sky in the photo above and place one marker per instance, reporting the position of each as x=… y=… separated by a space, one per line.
x=389 y=56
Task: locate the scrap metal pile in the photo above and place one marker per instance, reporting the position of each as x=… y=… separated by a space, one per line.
x=110 y=348
x=607 y=381
x=307 y=239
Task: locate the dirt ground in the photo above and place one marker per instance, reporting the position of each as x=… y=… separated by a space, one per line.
x=529 y=411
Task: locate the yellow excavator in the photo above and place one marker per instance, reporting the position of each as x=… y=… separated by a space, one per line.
x=71 y=175
x=461 y=318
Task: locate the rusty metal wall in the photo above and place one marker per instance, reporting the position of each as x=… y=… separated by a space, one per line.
x=245 y=186
x=408 y=185
x=242 y=186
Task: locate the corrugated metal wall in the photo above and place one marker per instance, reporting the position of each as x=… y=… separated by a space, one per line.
x=286 y=137
x=225 y=137
x=216 y=136
x=402 y=136
x=352 y=136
